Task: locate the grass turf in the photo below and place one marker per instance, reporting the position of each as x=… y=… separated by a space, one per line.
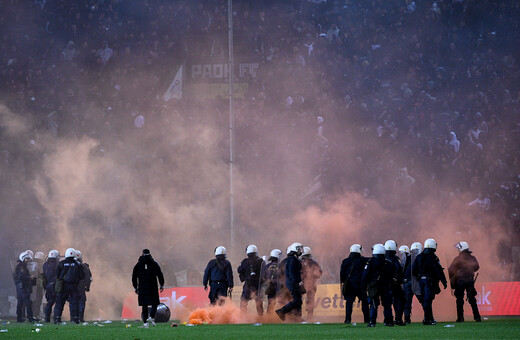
x=491 y=329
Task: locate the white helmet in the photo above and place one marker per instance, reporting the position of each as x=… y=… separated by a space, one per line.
x=30 y=252
x=461 y=246
x=54 y=254
x=295 y=247
x=78 y=254
x=378 y=249
x=307 y=251
x=390 y=245
x=276 y=253
x=356 y=248
x=39 y=255
x=430 y=243
x=404 y=249
x=416 y=246
x=70 y=252
x=25 y=256
x=220 y=250
x=251 y=249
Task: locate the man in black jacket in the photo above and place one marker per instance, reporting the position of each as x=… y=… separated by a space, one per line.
x=219 y=275
x=84 y=286
x=23 y=282
x=398 y=298
x=70 y=273
x=428 y=270
x=462 y=279
x=49 y=273
x=350 y=282
x=250 y=272
x=377 y=278
x=293 y=282
x=144 y=279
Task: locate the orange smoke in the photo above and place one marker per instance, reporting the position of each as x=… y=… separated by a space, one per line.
x=228 y=313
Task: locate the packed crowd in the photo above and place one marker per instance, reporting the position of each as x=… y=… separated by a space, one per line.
x=433 y=84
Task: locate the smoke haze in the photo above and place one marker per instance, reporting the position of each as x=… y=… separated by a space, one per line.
x=112 y=189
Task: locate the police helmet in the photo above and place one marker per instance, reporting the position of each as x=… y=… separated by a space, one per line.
x=251 y=249
x=39 y=255
x=295 y=247
x=356 y=248
x=70 y=252
x=461 y=246
x=378 y=249
x=430 y=243
x=276 y=253
x=220 y=250
x=25 y=256
x=78 y=254
x=30 y=252
x=54 y=254
x=390 y=245
x=307 y=251
x=416 y=246
x=404 y=249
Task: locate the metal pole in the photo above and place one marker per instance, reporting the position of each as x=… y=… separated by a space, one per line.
x=231 y=126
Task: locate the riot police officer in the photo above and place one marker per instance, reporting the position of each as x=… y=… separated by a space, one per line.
x=428 y=270
x=407 y=283
x=23 y=282
x=219 y=275
x=293 y=282
x=351 y=284
x=311 y=272
x=70 y=273
x=37 y=271
x=415 y=249
x=83 y=286
x=397 y=289
x=377 y=278
x=271 y=279
x=250 y=272
x=49 y=279
x=462 y=279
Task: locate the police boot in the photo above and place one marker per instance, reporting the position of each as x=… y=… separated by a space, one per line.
x=407 y=320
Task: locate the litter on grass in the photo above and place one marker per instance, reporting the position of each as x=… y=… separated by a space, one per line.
x=449 y=326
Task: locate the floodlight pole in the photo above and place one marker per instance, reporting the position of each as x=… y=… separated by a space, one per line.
x=231 y=126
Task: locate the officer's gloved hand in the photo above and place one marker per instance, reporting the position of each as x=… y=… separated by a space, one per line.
x=206 y=288
x=161 y=289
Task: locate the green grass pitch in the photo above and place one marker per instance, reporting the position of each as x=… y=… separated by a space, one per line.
x=491 y=329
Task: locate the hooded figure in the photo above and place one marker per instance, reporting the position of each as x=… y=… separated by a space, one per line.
x=454 y=142
x=144 y=279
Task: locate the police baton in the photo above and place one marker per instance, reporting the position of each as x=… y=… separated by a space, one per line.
x=474 y=280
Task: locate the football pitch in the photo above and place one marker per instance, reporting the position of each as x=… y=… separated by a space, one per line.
x=490 y=329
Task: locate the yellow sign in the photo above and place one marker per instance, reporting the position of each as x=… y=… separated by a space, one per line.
x=215 y=90
x=330 y=302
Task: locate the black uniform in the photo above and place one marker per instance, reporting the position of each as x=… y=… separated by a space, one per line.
x=219 y=275
x=407 y=288
x=144 y=279
x=351 y=280
x=293 y=282
x=250 y=272
x=271 y=280
x=429 y=272
x=71 y=273
x=377 y=278
x=84 y=286
x=23 y=282
x=398 y=298
x=49 y=272
x=462 y=271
